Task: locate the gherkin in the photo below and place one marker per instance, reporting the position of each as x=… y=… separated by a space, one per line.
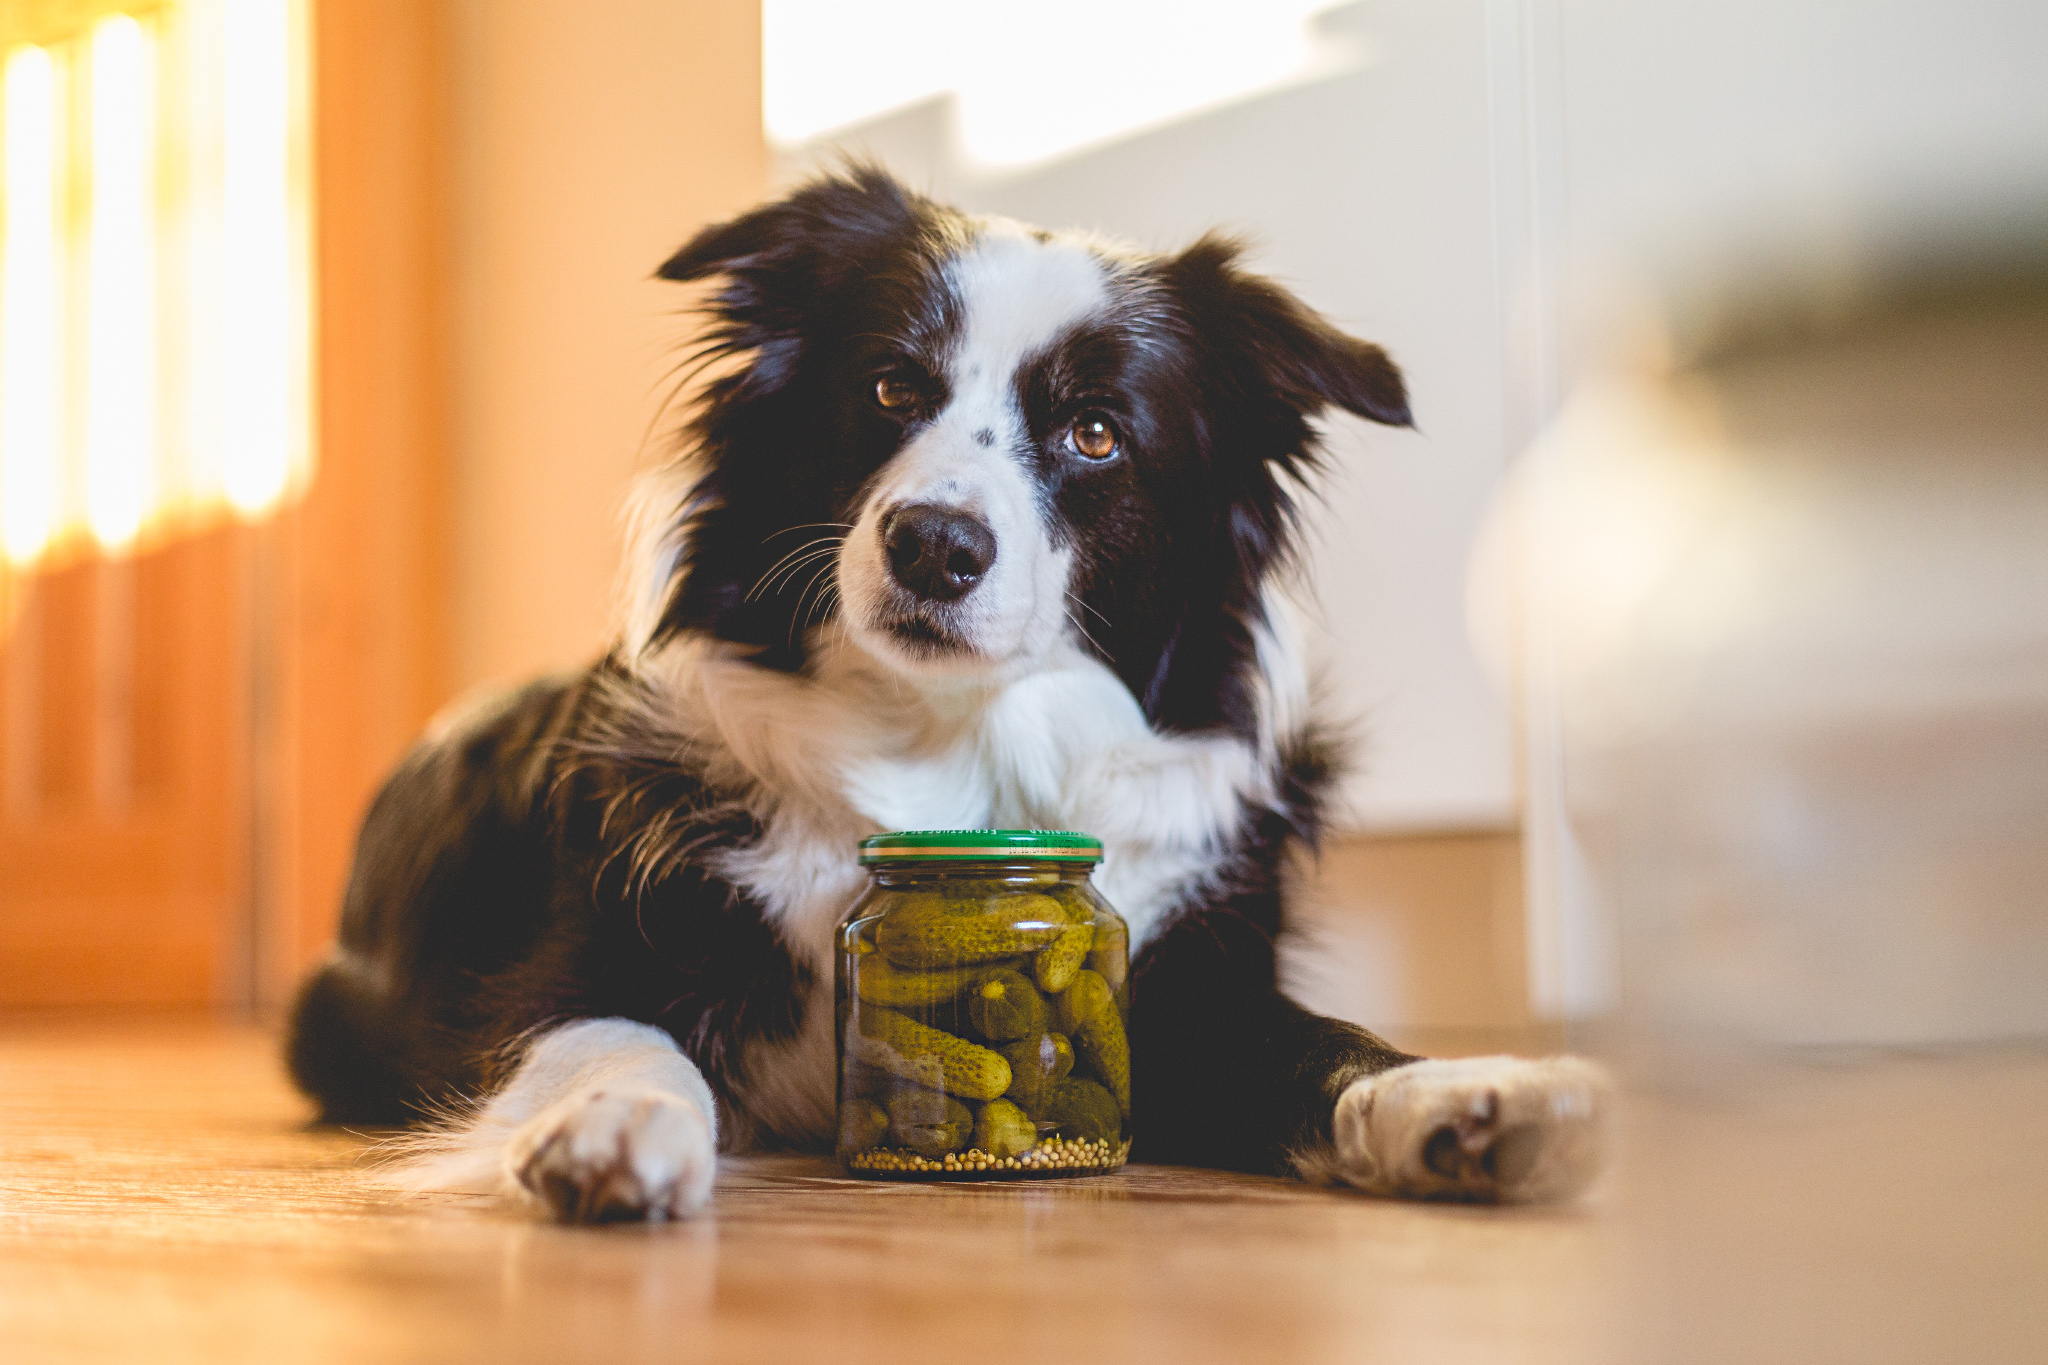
x=1107 y=955
x=929 y=1123
x=1084 y=1109
x=1087 y=1010
x=867 y=1082
x=926 y=1056
x=862 y=1124
x=947 y=1016
x=1005 y=1005
x=1056 y=965
x=1102 y=1045
x=1087 y=997
x=1036 y=1064
x=1003 y=1130
x=934 y=935
x=882 y=982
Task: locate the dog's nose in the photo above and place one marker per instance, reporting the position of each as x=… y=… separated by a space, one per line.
x=939 y=553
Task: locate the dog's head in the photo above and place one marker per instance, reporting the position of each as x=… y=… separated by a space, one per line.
x=976 y=445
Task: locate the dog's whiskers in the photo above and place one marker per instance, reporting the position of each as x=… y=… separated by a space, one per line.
x=787 y=566
x=800 y=619
x=827 y=602
x=1083 y=605
x=807 y=526
x=1075 y=622
x=788 y=575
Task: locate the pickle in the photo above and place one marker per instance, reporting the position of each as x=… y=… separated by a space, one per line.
x=1107 y=957
x=862 y=1124
x=1003 y=1130
x=881 y=982
x=1005 y=1005
x=866 y=1082
x=1084 y=1109
x=1102 y=1045
x=1036 y=1065
x=1087 y=1010
x=929 y=1123
x=1056 y=966
x=948 y=1016
x=1088 y=996
x=935 y=934
x=927 y=1056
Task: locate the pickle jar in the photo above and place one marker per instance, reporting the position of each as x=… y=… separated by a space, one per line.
x=983 y=992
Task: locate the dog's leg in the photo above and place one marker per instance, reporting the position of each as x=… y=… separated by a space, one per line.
x=1228 y=1072
x=1492 y=1128
x=604 y=1120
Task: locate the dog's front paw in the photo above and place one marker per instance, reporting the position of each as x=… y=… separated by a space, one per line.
x=1481 y=1128
x=614 y=1155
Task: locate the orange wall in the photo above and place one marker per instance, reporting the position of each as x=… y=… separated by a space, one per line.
x=587 y=141
x=498 y=178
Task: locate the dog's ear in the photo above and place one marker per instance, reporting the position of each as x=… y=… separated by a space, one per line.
x=815 y=239
x=1260 y=336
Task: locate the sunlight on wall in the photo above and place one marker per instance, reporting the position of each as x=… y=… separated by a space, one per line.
x=1032 y=80
x=30 y=335
x=258 y=445
x=154 y=282
x=120 y=425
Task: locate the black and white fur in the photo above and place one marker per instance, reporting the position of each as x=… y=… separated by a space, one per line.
x=889 y=587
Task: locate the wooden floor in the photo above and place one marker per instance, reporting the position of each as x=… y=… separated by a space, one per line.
x=162 y=1200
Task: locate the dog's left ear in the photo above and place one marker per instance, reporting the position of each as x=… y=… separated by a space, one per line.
x=818 y=238
x=1259 y=335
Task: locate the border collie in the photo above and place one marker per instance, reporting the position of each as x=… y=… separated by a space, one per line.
x=980 y=526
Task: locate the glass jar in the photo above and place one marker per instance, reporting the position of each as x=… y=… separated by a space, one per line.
x=983 y=990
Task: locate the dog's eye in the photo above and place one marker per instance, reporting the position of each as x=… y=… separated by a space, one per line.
x=894 y=391
x=1094 y=437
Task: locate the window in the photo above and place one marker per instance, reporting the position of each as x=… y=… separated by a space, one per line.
x=154 y=278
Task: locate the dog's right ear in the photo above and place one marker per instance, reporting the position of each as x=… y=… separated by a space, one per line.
x=813 y=241
x=1272 y=348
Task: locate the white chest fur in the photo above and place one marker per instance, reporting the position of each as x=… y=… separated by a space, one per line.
x=848 y=752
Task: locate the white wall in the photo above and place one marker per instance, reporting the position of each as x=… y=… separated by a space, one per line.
x=1701 y=137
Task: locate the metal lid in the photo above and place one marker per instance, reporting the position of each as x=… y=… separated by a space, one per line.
x=980 y=845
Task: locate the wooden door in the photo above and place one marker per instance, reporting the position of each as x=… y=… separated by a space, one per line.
x=124 y=820
x=189 y=734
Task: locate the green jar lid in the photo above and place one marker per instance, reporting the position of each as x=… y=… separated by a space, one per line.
x=980 y=845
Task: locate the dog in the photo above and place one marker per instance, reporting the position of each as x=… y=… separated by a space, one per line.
x=976 y=526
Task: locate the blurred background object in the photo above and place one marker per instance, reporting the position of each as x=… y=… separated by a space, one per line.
x=1805 y=705
x=1774 y=583
x=1798 y=602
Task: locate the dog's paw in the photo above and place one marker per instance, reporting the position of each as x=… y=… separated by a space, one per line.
x=616 y=1154
x=1481 y=1128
